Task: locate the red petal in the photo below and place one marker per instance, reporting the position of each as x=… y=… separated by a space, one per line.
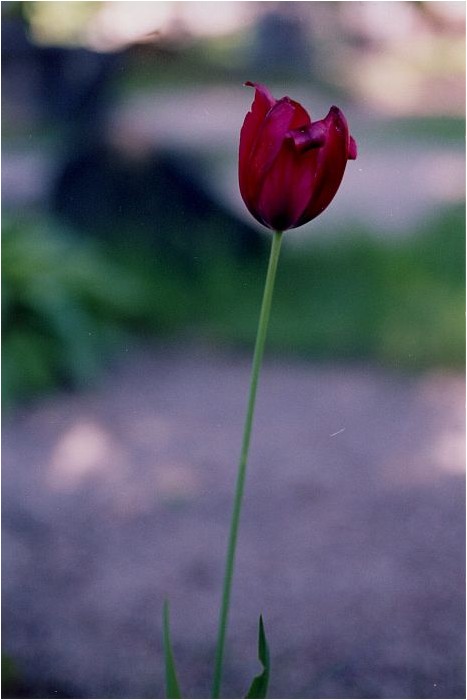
x=352 y=151
x=261 y=105
x=301 y=118
x=269 y=139
x=284 y=116
x=259 y=151
x=286 y=189
x=329 y=165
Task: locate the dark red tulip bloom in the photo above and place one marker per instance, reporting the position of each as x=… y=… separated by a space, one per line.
x=290 y=168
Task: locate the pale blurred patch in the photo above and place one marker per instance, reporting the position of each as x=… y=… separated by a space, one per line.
x=88 y=454
x=445 y=180
x=421 y=76
x=110 y=26
x=448 y=452
x=430 y=454
x=84 y=450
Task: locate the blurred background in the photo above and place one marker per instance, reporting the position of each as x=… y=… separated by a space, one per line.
x=132 y=279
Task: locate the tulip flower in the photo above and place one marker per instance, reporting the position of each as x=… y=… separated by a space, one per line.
x=290 y=168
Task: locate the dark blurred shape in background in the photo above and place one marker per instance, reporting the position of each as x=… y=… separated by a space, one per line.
x=158 y=198
x=280 y=33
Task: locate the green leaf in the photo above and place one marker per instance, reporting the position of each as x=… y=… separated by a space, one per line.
x=259 y=687
x=171 y=682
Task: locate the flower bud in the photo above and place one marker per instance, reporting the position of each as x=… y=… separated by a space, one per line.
x=290 y=168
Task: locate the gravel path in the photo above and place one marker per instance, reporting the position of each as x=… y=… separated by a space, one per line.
x=351 y=546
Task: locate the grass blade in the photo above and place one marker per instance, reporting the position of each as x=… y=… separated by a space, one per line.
x=171 y=682
x=259 y=686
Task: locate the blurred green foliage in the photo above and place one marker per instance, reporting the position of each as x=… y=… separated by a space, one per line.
x=401 y=304
x=429 y=130
x=68 y=302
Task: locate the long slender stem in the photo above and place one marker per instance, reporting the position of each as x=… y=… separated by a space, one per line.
x=257 y=359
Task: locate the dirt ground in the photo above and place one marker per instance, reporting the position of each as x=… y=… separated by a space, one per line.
x=351 y=545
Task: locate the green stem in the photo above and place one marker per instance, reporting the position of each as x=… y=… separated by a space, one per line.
x=257 y=359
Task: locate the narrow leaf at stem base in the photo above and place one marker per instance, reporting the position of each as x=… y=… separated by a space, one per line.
x=171 y=682
x=259 y=686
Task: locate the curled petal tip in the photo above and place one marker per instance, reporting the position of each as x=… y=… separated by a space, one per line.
x=336 y=115
x=262 y=91
x=352 y=152
x=257 y=86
